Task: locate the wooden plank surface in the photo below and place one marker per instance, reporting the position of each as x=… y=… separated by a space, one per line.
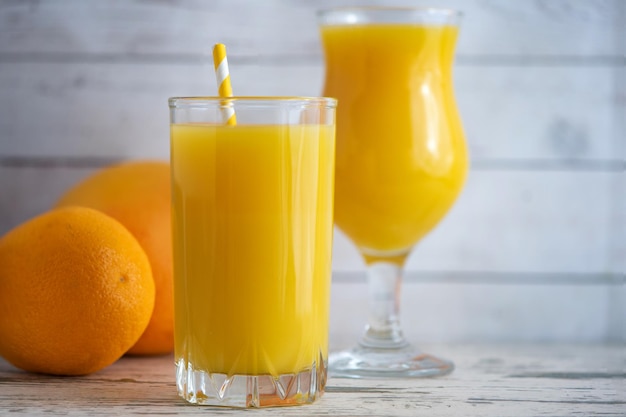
x=489 y=380
x=463 y=282
x=496 y=308
x=120 y=110
x=540 y=230
x=184 y=29
x=489 y=229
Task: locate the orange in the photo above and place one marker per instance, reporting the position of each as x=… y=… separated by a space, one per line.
x=76 y=291
x=137 y=194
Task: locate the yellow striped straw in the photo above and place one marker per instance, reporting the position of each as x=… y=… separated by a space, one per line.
x=223 y=82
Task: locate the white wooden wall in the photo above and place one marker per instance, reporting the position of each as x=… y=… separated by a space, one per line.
x=535 y=249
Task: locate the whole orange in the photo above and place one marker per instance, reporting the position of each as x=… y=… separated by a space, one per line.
x=76 y=291
x=137 y=194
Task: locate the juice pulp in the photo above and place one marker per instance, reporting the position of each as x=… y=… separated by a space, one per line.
x=401 y=154
x=252 y=229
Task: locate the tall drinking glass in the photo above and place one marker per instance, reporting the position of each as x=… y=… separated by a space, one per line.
x=401 y=159
x=252 y=208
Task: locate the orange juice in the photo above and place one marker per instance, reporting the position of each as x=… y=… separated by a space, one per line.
x=252 y=228
x=396 y=176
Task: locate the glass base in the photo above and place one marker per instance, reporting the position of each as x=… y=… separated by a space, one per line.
x=371 y=362
x=205 y=388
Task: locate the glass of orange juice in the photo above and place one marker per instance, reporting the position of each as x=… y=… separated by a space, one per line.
x=252 y=208
x=401 y=159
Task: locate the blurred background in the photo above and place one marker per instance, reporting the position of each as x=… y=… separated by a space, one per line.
x=535 y=248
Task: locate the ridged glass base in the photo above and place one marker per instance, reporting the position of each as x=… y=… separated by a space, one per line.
x=204 y=388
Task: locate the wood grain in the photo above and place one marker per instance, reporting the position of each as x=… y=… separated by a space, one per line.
x=120 y=110
x=493 y=227
x=540 y=230
x=184 y=29
x=489 y=309
x=489 y=380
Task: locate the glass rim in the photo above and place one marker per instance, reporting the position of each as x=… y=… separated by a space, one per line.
x=365 y=15
x=203 y=101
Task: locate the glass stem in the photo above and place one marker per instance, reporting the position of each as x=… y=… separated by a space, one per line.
x=383 y=330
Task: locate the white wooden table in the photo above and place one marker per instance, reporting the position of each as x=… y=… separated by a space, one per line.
x=490 y=380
